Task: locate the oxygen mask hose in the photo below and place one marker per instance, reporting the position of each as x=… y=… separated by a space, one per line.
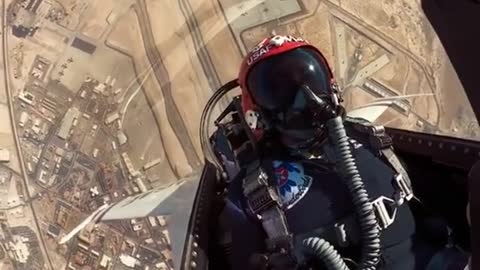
x=345 y=162
x=325 y=252
x=370 y=233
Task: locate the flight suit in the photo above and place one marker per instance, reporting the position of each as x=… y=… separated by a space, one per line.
x=315 y=198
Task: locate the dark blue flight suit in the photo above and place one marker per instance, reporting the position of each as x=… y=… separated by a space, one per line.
x=325 y=201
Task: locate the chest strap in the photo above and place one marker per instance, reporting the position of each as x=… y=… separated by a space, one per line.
x=374 y=138
x=264 y=204
x=378 y=142
x=401 y=181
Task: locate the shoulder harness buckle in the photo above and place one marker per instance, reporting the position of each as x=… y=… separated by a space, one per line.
x=260 y=195
x=264 y=203
x=385 y=210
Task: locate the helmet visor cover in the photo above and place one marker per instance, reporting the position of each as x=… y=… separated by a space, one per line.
x=276 y=87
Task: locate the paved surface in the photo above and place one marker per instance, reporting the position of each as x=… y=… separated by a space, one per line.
x=15 y=134
x=161 y=74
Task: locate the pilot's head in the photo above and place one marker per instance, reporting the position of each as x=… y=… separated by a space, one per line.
x=273 y=77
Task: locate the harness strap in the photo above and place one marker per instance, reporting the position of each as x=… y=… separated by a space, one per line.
x=401 y=181
x=264 y=204
x=375 y=138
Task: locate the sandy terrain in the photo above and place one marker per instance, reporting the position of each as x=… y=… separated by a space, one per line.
x=6 y=137
x=3 y=94
x=50 y=39
x=404 y=22
x=357 y=97
x=75 y=10
x=30 y=51
x=100 y=15
x=189 y=86
x=145 y=146
x=401 y=20
x=218 y=37
x=414 y=56
x=452 y=100
x=126 y=35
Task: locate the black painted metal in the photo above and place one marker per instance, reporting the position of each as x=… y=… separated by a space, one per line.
x=474 y=183
x=453 y=152
x=195 y=254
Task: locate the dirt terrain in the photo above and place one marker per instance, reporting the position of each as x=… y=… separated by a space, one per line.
x=189 y=86
x=126 y=36
x=218 y=38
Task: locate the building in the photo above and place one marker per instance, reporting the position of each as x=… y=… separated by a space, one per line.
x=128 y=163
x=4 y=156
x=53 y=230
x=80 y=258
x=167 y=254
x=13 y=198
x=128 y=260
x=36 y=125
x=83 y=45
x=167 y=236
x=67 y=123
x=59 y=152
x=137 y=227
x=95 y=152
x=94 y=191
x=19 y=248
x=111 y=117
x=162 y=266
x=141 y=184
x=23 y=119
x=99 y=88
x=26 y=97
x=105 y=262
x=122 y=137
x=41 y=177
x=152 y=163
x=153 y=221
x=161 y=221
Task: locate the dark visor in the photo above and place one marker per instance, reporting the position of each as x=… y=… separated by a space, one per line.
x=276 y=81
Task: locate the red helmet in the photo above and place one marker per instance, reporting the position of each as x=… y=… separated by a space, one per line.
x=271 y=77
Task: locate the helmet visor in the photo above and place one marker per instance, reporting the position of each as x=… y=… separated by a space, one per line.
x=275 y=83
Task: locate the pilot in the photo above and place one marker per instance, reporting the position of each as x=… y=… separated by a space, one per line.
x=295 y=202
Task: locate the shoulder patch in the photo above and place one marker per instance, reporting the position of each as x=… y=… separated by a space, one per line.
x=292 y=183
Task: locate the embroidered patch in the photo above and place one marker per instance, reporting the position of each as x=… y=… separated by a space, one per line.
x=292 y=182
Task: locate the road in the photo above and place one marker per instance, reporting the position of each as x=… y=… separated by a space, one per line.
x=162 y=76
x=15 y=133
x=386 y=42
x=199 y=44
